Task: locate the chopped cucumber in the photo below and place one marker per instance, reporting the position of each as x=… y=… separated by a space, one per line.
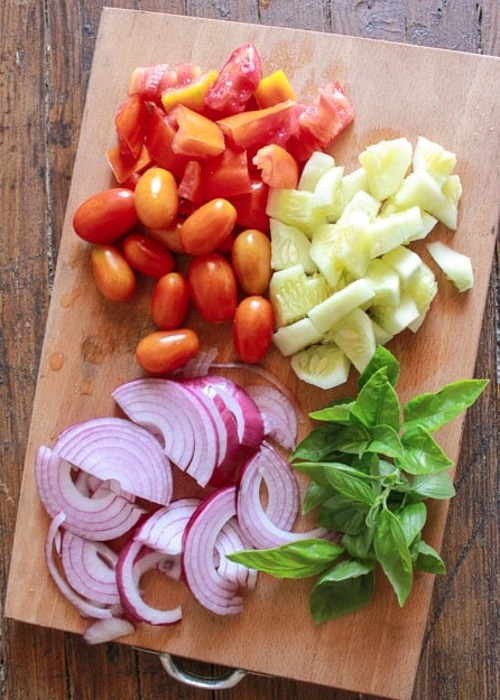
x=344 y=277
x=329 y=312
x=316 y=166
x=456 y=266
x=324 y=366
x=292 y=293
x=433 y=158
x=356 y=337
x=386 y=164
x=327 y=196
x=404 y=261
x=298 y=335
x=289 y=246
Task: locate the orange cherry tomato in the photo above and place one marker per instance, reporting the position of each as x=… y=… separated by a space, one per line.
x=113 y=276
x=169 y=301
x=147 y=255
x=160 y=352
x=156 y=198
x=106 y=215
x=253 y=328
x=251 y=260
x=208 y=226
x=213 y=287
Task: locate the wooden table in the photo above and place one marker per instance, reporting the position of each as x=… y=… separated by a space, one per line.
x=46 y=57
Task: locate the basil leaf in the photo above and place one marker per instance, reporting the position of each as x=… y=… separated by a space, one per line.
x=344 y=589
x=438 y=486
x=338 y=412
x=316 y=446
x=384 y=440
x=412 y=519
x=377 y=402
x=422 y=454
x=293 y=560
x=314 y=496
x=345 y=480
x=393 y=554
x=433 y=410
x=381 y=358
x=338 y=513
x=429 y=560
x=359 y=546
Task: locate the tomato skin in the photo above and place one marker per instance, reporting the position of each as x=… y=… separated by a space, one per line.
x=106 y=215
x=169 y=301
x=160 y=352
x=236 y=82
x=251 y=260
x=113 y=276
x=207 y=227
x=212 y=287
x=147 y=255
x=156 y=198
x=253 y=328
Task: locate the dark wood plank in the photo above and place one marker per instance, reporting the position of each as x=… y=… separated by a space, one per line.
x=44 y=67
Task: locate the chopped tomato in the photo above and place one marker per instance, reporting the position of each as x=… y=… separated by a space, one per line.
x=251 y=207
x=191 y=185
x=159 y=137
x=190 y=95
x=227 y=175
x=273 y=89
x=130 y=123
x=261 y=127
x=125 y=167
x=236 y=82
x=328 y=115
x=144 y=81
x=196 y=135
x=186 y=72
x=278 y=168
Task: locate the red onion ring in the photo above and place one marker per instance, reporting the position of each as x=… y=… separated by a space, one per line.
x=116 y=448
x=102 y=631
x=211 y=589
x=134 y=560
x=102 y=516
x=163 y=530
x=279 y=416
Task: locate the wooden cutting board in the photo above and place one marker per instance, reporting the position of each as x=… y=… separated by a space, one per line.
x=397 y=90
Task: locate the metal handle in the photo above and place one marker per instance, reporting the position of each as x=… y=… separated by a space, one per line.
x=226 y=680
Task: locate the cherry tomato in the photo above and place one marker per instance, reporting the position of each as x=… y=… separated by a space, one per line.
x=207 y=227
x=253 y=328
x=212 y=287
x=106 y=215
x=147 y=255
x=113 y=276
x=169 y=301
x=156 y=198
x=251 y=260
x=160 y=352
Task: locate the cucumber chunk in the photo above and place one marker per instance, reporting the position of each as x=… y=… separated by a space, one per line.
x=298 y=335
x=386 y=164
x=289 y=246
x=329 y=312
x=316 y=166
x=456 y=266
x=356 y=337
x=324 y=366
x=292 y=293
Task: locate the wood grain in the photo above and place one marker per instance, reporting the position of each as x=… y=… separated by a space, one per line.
x=44 y=75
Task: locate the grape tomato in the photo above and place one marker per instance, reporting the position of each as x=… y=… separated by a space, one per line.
x=161 y=352
x=208 y=227
x=253 y=328
x=147 y=255
x=106 y=215
x=213 y=287
x=113 y=276
x=156 y=198
x=251 y=260
x=169 y=301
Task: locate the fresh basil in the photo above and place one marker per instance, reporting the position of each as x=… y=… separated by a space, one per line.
x=372 y=465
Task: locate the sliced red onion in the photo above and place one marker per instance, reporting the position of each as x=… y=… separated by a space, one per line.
x=163 y=530
x=133 y=562
x=230 y=540
x=86 y=607
x=90 y=569
x=248 y=418
x=198 y=366
x=104 y=515
x=116 y=448
x=280 y=418
x=167 y=409
x=102 y=631
x=258 y=524
x=210 y=588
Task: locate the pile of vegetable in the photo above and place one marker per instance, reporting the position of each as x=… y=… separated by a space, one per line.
x=228 y=200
